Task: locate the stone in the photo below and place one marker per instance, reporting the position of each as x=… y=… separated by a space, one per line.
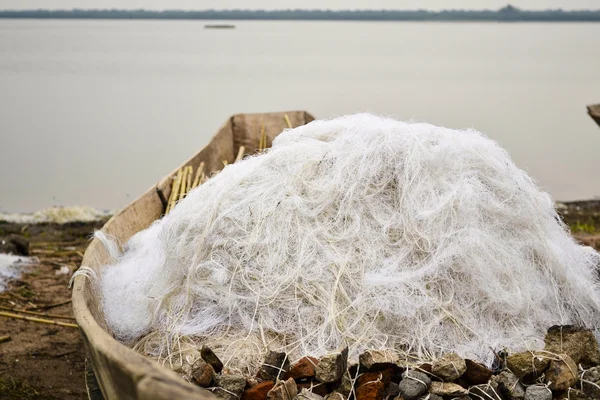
x=210 y=357
x=476 y=373
x=332 y=366
x=274 y=367
x=578 y=343
x=484 y=392
x=283 y=390
x=384 y=375
x=251 y=382
x=508 y=385
x=184 y=361
x=371 y=390
x=499 y=361
x=527 y=363
x=355 y=369
x=369 y=377
x=448 y=368
x=302 y=369
x=425 y=367
x=14 y=244
x=413 y=384
x=203 y=373
x=378 y=359
x=7 y=247
x=436 y=397
x=391 y=391
x=590 y=382
x=572 y=394
x=335 y=396
x=345 y=386
x=316 y=387
x=447 y=389
x=229 y=387
x=460 y=381
x=258 y=391
x=308 y=395
x=562 y=373
x=538 y=392
x=20 y=243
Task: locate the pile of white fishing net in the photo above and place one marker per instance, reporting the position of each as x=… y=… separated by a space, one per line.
x=359 y=230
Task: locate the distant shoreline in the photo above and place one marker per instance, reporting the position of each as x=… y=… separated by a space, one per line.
x=506 y=14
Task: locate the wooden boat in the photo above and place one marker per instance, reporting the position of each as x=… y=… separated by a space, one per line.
x=121 y=373
x=594 y=112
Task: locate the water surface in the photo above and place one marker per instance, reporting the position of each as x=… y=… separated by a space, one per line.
x=95 y=112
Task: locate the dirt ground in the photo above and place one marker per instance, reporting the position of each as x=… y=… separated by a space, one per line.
x=583 y=217
x=46 y=361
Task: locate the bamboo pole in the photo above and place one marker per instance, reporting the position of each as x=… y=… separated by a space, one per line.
x=199 y=173
x=59 y=243
x=62 y=303
x=183 y=183
x=5 y=338
x=240 y=154
x=14 y=310
x=287 y=121
x=189 y=179
x=174 y=191
x=263 y=138
x=38 y=320
x=260 y=140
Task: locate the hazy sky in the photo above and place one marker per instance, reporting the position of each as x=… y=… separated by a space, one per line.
x=332 y=4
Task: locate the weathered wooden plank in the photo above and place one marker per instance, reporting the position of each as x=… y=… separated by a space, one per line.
x=247 y=128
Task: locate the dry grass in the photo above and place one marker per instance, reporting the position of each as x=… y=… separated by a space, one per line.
x=11 y=389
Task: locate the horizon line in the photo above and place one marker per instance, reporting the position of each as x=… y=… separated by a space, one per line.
x=510 y=7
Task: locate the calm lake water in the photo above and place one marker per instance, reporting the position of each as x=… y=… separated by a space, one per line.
x=95 y=112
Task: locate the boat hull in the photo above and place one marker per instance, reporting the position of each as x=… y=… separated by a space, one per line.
x=120 y=372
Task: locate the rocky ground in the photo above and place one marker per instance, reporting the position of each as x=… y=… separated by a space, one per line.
x=41 y=361
x=566 y=369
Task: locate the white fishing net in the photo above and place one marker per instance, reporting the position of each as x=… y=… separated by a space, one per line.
x=359 y=230
x=12 y=267
x=58 y=215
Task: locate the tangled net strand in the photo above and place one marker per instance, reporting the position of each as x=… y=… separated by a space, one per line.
x=362 y=231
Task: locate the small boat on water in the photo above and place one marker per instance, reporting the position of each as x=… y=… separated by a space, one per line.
x=594 y=112
x=118 y=372
x=219 y=26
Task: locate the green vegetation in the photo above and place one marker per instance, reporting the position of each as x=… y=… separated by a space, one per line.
x=25 y=292
x=506 y=14
x=579 y=227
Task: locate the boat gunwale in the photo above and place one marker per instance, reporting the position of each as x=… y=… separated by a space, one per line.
x=594 y=112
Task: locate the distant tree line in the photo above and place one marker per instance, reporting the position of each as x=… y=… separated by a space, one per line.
x=506 y=14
